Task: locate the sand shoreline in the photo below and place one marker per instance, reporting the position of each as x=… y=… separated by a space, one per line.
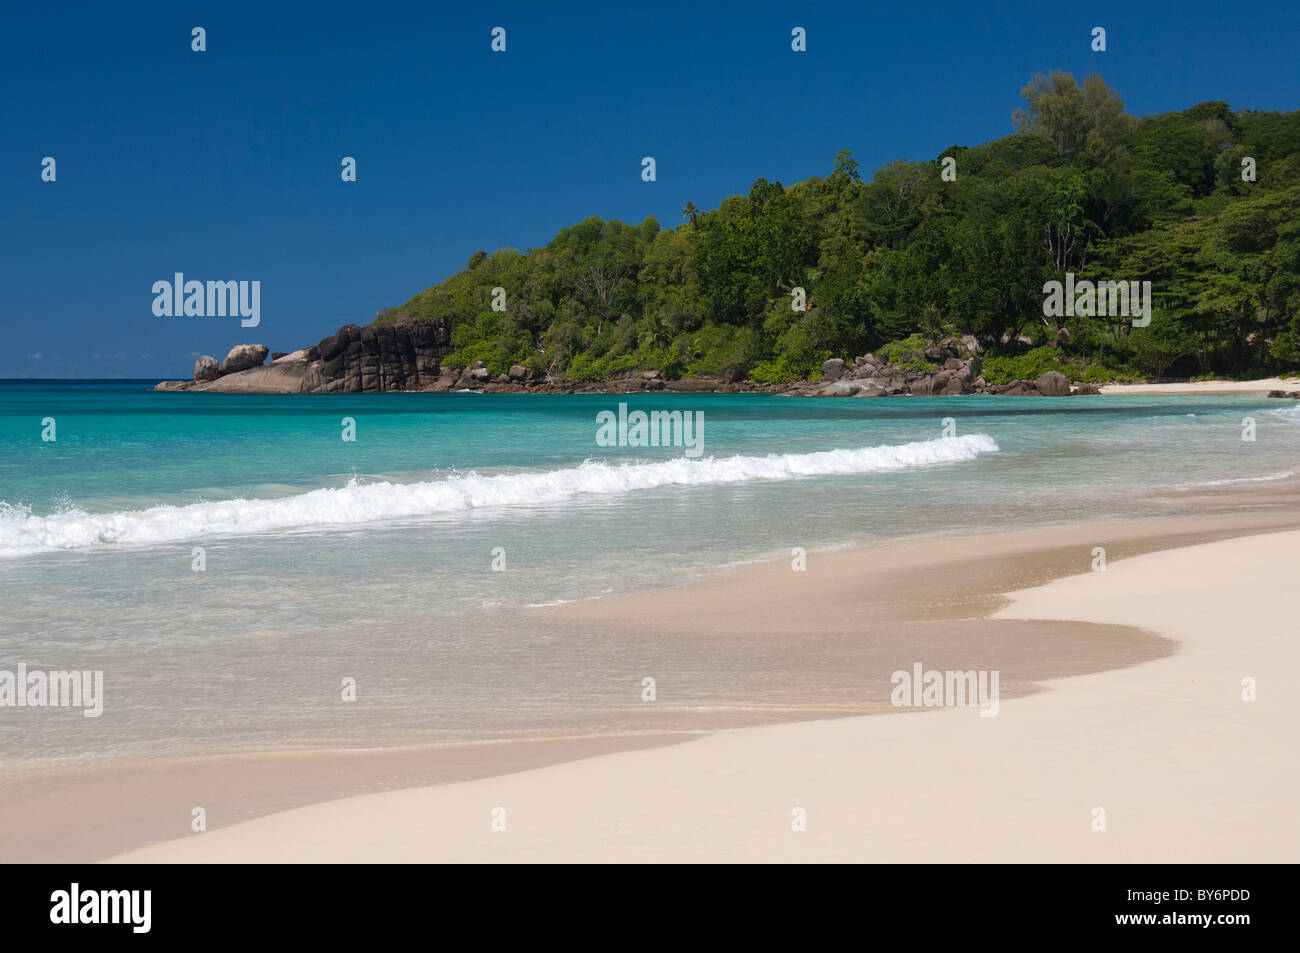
x=1168 y=757
x=935 y=598
x=1261 y=386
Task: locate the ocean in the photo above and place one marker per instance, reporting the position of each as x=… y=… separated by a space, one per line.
x=230 y=561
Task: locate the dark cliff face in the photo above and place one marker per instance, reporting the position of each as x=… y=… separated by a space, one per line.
x=389 y=358
x=352 y=360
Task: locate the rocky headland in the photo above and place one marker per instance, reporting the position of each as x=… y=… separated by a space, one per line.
x=409 y=357
x=353 y=360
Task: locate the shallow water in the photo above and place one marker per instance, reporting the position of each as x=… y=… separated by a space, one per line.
x=374 y=559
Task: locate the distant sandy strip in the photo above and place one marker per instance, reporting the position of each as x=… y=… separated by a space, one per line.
x=1262 y=386
x=1183 y=767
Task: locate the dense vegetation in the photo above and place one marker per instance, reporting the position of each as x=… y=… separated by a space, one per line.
x=1080 y=187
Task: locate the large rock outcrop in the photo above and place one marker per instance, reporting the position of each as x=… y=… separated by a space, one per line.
x=353 y=360
x=832 y=370
x=1053 y=384
x=244 y=356
x=871 y=376
x=206 y=368
x=405 y=356
x=954 y=368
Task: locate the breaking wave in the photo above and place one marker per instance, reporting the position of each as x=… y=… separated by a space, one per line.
x=22 y=533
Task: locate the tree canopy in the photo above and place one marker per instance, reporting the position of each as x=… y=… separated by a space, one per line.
x=1081 y=186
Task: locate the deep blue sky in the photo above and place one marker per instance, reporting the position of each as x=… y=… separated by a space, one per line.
x=225 y=164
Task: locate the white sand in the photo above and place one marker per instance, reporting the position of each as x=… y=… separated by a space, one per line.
x=1262 y=386
x=1185 y=770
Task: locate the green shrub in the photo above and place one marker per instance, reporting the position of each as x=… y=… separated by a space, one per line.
x=1097 y=374
x=779 y=371
x=492 y=356
x=894 y=351
x=586 y=369
x=1026 y=367
x=714 y=348
x=915 y=344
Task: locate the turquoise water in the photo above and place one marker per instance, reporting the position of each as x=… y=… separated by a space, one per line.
x=373 y=558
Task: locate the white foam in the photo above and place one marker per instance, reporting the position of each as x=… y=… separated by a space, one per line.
x=1281 y=475
x=22 y=533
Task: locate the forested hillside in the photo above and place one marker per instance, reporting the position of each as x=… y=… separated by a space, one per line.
x=1080 y=186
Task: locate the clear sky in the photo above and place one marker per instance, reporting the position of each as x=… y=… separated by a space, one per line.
x=225 y=164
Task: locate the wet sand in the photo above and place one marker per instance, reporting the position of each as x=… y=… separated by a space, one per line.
x=1184 y=758
x=865 y=613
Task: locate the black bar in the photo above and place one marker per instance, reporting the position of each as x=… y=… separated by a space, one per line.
x=963 y=903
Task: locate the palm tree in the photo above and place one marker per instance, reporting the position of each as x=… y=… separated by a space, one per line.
x=932 y=325
x=690 y=211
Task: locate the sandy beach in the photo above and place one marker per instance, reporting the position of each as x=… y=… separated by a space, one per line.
x=1148 y=724
x=1261 y=386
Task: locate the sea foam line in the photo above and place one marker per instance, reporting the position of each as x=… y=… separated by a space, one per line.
x=22 y=533
x=1272 y=477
